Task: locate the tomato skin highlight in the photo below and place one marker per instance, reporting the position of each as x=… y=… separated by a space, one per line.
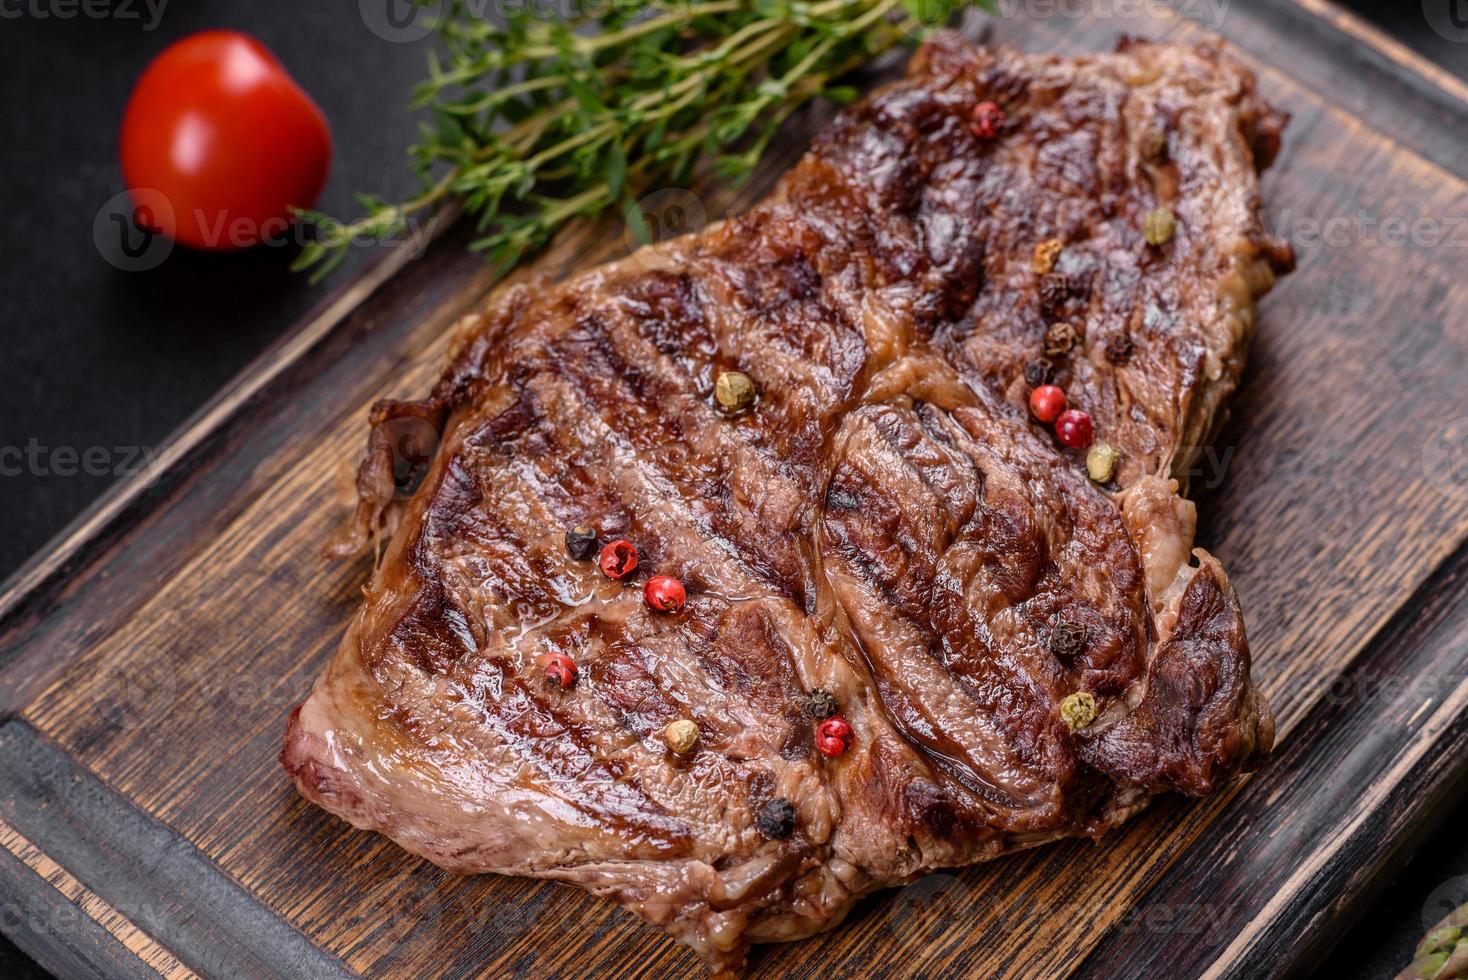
x=219 y=128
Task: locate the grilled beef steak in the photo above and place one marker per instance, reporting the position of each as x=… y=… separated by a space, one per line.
x=884 y=533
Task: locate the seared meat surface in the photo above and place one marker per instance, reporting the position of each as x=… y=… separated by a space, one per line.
x=885 y=524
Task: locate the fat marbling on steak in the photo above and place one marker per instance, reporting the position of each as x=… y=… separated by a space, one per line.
x=886 y=524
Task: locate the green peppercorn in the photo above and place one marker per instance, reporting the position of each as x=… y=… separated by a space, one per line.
x=1047 y=253
x=681 y=736
x=1078 y=710
x=1101 y=462
x=1159 y=227
x=734 y=390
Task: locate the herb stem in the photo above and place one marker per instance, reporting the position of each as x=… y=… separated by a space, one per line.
x=540 y=120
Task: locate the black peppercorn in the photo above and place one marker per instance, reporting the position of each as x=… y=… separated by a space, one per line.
x=1080 y=285
x=1067 y=638
x=1037 y=372
x=1059 y=339
x=1118 y=349
x=1055 y=289
x=820 y=705
x=776 y=819
x=581 y=542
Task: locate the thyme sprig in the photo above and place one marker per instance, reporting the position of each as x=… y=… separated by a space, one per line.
x=539 y=120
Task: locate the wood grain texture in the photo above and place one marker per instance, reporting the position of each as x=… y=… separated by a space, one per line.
x=138 y=943
x=161 y=649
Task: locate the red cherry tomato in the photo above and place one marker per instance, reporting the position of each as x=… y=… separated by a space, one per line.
x=227 y=138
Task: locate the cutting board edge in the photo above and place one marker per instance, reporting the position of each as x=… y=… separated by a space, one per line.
x=132 y=885
x=83 y=531
x=1267 y=844
x=1418 y=70
x=80 y=540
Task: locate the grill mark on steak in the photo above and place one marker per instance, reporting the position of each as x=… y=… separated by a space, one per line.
x=726 y=456
x=748 y=656
x=632 y=675
x=1191 y=702
x=631 y=703
x=669 y=312
x=515 y=572
x=950 y=656
x=884 y=524
x=563 y=759
x=519 y=731
x=656 y=504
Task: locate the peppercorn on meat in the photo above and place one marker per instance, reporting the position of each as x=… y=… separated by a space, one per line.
x=896 y=624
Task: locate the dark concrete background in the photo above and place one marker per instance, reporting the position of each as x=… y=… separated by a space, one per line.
x=97 y=357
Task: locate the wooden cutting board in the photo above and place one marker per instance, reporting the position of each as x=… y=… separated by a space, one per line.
x=148 y=660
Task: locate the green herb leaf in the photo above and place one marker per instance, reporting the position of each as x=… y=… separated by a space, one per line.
x=616 y=169
x=542 y=120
